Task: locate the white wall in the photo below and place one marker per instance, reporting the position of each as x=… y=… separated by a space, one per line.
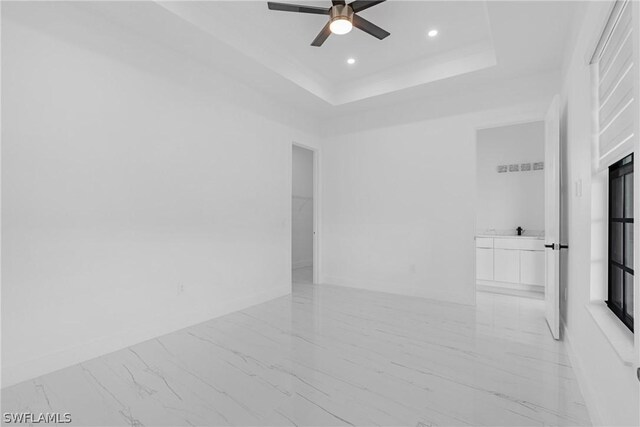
x=512 y=199
x=399 y=204
x=610 y=387
x=137 y=186
x=451 y=97
x=302 y=208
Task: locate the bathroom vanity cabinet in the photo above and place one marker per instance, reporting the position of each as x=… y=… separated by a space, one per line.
x=510 y=261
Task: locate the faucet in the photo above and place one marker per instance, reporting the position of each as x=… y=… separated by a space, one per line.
x=519 y=230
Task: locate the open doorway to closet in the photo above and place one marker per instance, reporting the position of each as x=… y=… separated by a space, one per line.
x=302 y=206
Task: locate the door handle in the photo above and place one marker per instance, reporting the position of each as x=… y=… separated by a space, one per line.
x=556 y=246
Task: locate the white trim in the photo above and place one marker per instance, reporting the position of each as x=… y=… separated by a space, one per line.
x=617 y=334
x=510 y=285
x=590 y=397
x=406 y=289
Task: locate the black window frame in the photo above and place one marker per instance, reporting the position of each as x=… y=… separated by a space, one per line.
x=620 y=169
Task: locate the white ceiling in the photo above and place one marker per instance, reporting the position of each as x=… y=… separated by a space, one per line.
x=461 y=24
x=407 y=58
x=479 y=43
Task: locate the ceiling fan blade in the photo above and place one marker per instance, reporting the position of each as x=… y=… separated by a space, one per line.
x=370 y=28
x=322 y=36
x=360 y=5
x=284 y=7
x=338 y=2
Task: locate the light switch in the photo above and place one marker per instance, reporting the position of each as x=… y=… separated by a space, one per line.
x=578 y=185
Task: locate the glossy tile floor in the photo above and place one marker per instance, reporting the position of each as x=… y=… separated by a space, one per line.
x=303 y=275
x=328 y=355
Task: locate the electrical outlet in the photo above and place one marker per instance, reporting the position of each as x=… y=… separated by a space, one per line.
x=564 y=293
x=180 y=288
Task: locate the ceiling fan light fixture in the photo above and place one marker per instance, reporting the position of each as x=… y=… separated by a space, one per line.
x=341 y=19
x=340 y=26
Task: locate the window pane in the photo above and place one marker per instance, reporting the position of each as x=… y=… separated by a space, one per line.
x=628 y=245
x=616 y=197
x=621 y=240
x=628 y=195
x=616 y=241
x=628 y=294
x=615 y=292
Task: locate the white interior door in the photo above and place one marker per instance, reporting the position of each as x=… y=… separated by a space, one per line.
x=552 y=217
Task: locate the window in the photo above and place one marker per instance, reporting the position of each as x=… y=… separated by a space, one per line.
x=615 y=82
x=621 y=240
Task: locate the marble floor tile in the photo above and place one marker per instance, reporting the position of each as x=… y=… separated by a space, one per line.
x=303 y=275
x=328 y=356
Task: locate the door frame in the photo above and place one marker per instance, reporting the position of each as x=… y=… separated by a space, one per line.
x=317 y=261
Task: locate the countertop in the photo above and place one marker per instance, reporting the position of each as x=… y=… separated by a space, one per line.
x=510 y=236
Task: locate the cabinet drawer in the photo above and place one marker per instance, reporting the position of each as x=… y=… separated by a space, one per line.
x=484 y=242
x=524 y=244
x=532 y=245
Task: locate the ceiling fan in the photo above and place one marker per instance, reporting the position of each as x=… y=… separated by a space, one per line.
x=342 y=18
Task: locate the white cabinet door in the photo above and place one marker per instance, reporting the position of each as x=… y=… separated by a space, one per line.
x=532 y=268
x=506 y=265
x=484 y=264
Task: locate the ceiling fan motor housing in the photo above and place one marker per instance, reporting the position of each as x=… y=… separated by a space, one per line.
x=341 y=12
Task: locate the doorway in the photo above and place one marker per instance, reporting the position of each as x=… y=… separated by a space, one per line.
x=508 y=261
x=510 y=215
x=302 y=215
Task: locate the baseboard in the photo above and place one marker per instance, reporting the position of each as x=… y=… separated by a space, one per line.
x=509 y=285
x=405 y=290
x=302 y=264
x=509 y=291
x=14 y=374
x=590 y=399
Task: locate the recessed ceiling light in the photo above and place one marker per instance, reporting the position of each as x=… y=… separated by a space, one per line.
x=432 y=33
x=351 y=61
